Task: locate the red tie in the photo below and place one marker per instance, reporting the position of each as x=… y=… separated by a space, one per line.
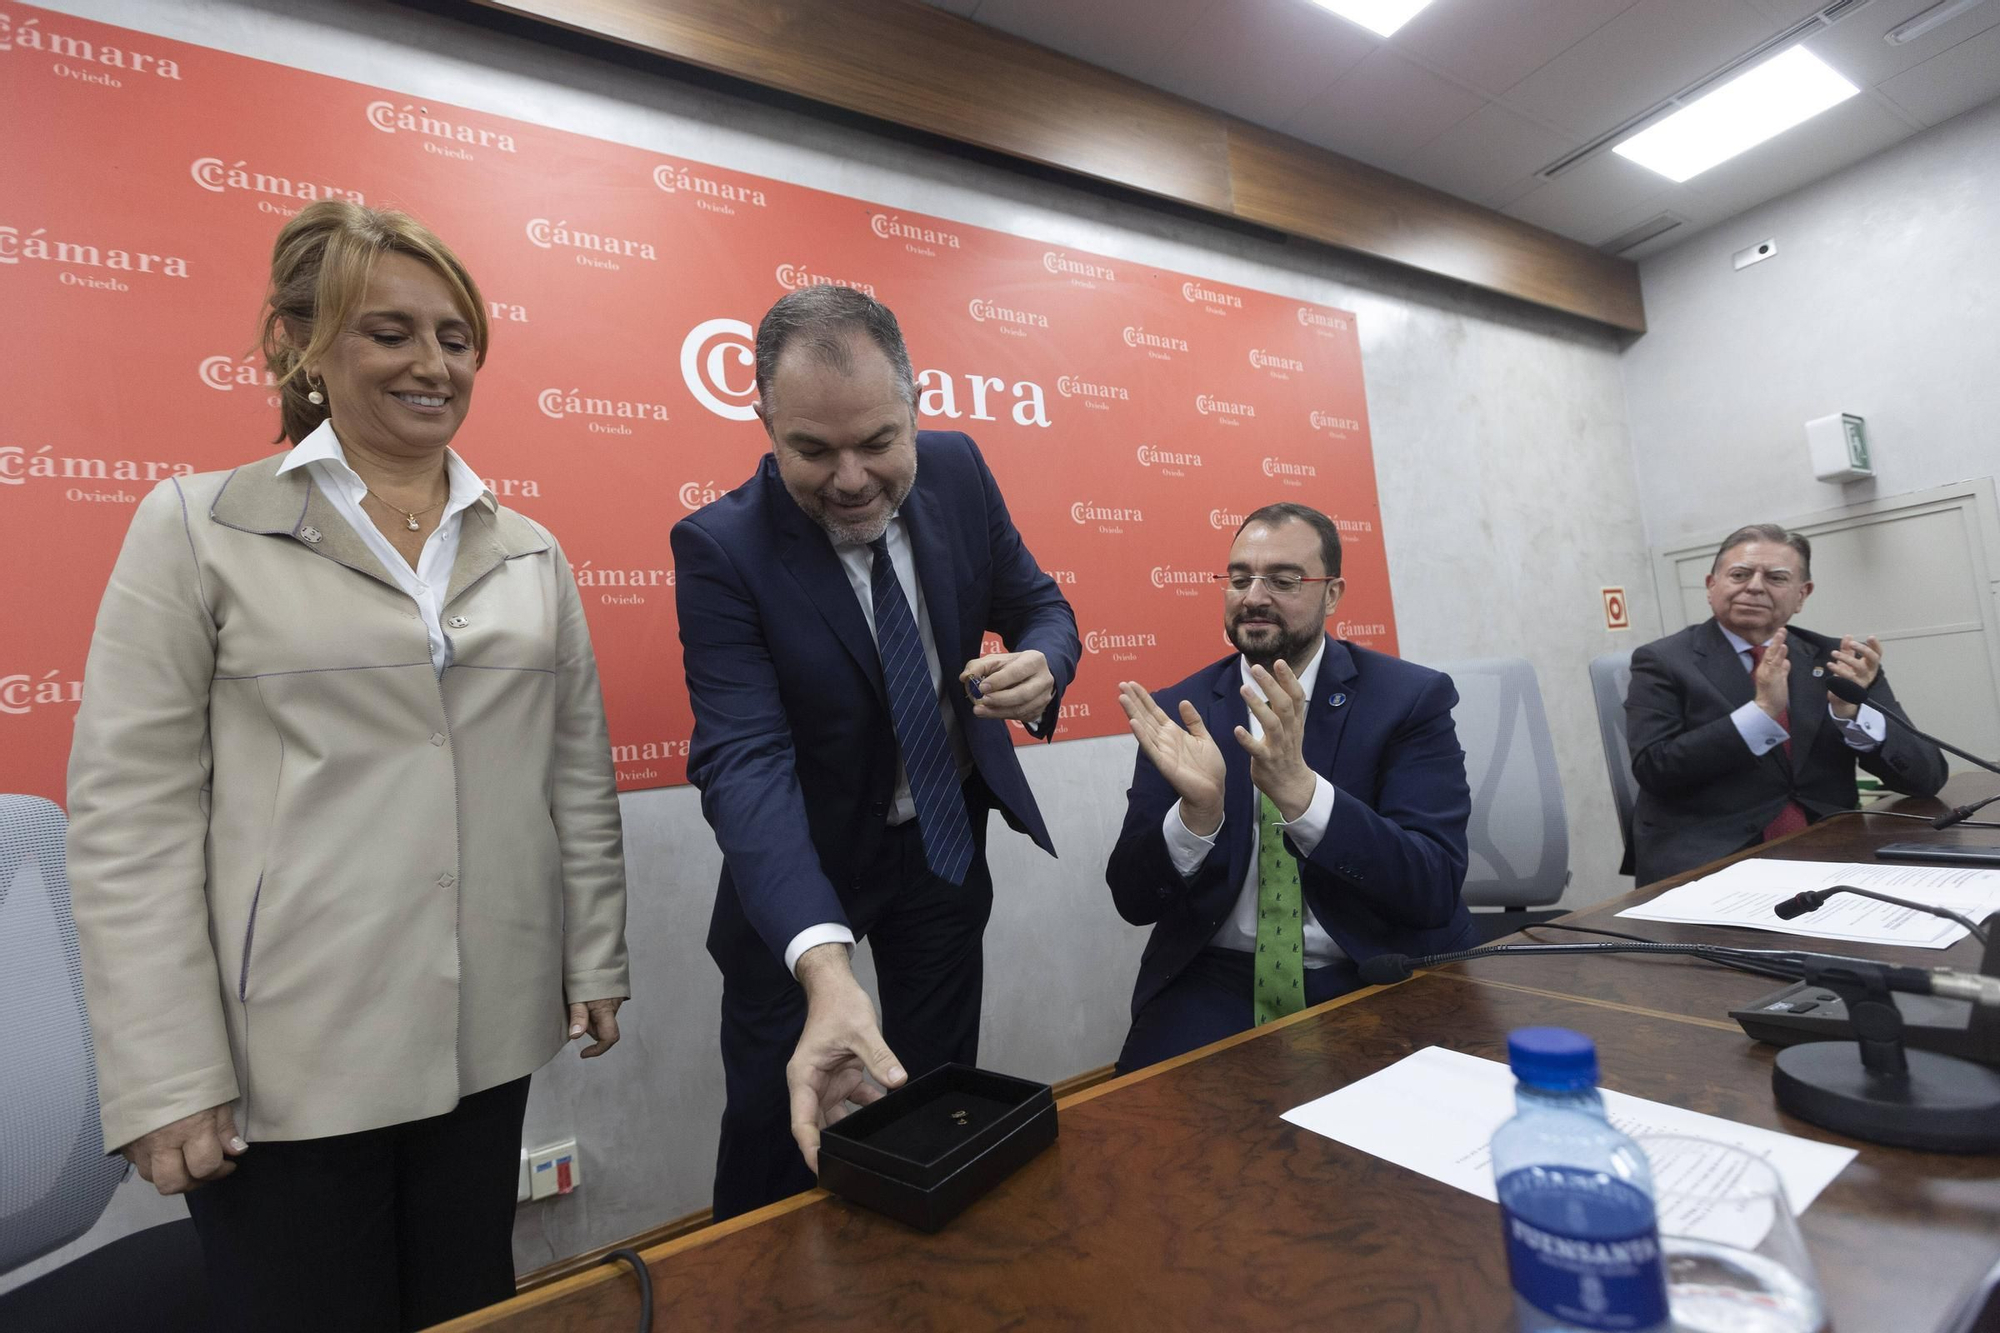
x=1793 y=817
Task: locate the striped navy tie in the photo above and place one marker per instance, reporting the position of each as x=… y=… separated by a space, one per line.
x=913 y=703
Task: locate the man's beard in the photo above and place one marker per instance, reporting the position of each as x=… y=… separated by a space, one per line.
x=846 y=533
x=1287 y=643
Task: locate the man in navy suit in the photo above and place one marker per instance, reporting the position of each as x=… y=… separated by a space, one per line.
x=849 y=734
x=1306 y=812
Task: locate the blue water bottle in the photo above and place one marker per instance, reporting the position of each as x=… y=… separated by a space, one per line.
x=1576 y=1198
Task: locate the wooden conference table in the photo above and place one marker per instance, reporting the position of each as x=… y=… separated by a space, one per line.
x=1176 y=1197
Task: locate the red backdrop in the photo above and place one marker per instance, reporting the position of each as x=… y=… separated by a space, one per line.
x=1131 y=415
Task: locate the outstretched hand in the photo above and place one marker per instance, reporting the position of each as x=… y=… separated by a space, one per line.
x=1184 y=753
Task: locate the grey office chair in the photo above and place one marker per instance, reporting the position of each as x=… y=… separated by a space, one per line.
x=1610 y=680
x=1518 y=836
x=54 y=1177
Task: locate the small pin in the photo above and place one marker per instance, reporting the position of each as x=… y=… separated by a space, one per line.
x=458 y=622
x=309 y=534
x=1337 y=700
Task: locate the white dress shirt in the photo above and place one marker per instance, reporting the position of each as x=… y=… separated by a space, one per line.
x=1761 y=732
x=320 y=453
x=859 y=563
x=1189 y=849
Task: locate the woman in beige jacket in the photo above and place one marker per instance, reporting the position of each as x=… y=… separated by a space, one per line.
x=344 y=837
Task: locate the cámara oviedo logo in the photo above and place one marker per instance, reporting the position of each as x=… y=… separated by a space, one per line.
x=916 y=237
x=1275 y=363
x=606 y=416
x=226 y=374
x=1159 y=346
x=1329 y=422
x=593 y=249
x=714 y=195
x=17 y=245
x=1213 y=301
x=19 y=467
x=984 y=311
x=1118 y=645
x=1228 y=412
x=219 y=177
x=1171 y=462
x=21 y=693
x=794 y=276
x=1320 y=322
x=1222 y=520
x=1083 y=272
x=1292 y=474
x=718 y=364
x=443 y=138
x=29 y=35
x=1095 y=395
x=620 y=587
x=1108 y=519
x=695 y=494
x=1181 y=582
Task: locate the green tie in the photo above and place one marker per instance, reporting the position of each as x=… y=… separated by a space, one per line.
x=1281 y=932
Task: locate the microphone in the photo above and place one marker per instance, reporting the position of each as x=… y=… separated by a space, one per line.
x=1854 y=692
x=1948 y=983
x=1813 y=899
x=1958 y=814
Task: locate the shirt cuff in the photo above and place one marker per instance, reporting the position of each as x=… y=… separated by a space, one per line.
x=1306 y=831
x=1865 y=731
x=812 y=937
x=1759 y=730
x=1186 y=848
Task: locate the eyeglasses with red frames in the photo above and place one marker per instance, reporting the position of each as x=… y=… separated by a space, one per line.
x=1278 y=585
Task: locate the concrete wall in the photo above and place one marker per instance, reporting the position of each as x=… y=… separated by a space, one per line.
x=1507 y=501
x=1880 y=302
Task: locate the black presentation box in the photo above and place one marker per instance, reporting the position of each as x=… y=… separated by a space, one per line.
x=927 y=1150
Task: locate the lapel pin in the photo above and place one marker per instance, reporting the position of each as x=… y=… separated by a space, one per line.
x=1337 y=700
x=309 y=534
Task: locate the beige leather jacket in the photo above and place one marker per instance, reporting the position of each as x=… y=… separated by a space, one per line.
x=310 y=876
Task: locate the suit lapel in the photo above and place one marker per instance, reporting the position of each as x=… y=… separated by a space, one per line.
x=257 y=499
x=936 y=574
x=1325 y=718
x=1226 y=712
x=487 y=536
x=808 y=557
x=1723 y=668
x=1806 y=695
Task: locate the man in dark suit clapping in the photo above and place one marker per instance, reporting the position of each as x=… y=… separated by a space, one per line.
x=1734 y=737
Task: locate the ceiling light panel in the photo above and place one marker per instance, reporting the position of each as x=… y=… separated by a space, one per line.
x=1752 y=107
x=1381 y=17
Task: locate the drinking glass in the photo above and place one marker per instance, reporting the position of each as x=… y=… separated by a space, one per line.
x=1734 y=1258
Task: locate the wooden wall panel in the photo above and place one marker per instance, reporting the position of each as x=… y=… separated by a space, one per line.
x=927 y=69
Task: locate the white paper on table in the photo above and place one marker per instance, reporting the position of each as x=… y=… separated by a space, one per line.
x=1435 y=1111
x=1745 y=893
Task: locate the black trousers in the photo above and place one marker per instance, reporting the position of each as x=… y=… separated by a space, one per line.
x=926 y=936
x=1210 y=1000
x=394 y=1228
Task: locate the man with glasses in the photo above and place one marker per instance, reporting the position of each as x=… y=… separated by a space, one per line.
x=1297 y=807
x=1734 y=737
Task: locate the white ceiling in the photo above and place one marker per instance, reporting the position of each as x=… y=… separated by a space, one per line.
x=1475 y=97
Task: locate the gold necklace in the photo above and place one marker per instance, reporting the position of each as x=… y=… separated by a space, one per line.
x=409 y=515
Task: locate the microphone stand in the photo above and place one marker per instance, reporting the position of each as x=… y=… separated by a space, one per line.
x=1877 y=1089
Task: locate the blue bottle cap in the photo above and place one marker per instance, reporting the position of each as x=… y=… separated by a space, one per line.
x=1553 y=1058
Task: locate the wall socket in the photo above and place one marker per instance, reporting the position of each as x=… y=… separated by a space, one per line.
x=552 y=1169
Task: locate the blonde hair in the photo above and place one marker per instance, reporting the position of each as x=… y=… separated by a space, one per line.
x=319 y=273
